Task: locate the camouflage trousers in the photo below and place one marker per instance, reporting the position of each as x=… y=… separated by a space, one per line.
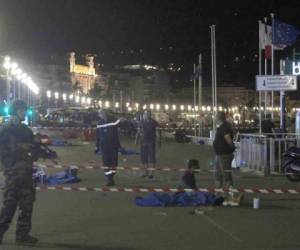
x=19 y=192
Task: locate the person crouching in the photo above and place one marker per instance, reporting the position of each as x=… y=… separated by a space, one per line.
x=188 y=179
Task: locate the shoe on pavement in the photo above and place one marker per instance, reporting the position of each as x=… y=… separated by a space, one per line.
x=26 y=239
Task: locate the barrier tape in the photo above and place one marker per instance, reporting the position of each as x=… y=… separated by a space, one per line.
x=93 y=167
x=60 y=128
x=82 y=128
x=167 y=189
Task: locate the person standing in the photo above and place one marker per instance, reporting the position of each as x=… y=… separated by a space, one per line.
x=267 y=126
x=147 y=132
x=16 y=141
x=108 y=143
x=223 y=147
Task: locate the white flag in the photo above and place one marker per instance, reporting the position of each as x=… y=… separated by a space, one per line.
x=265 y=37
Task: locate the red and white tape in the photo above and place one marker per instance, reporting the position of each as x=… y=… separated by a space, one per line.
x=167 y=189
x=94 y=167
x=59 y=128
x=82 y=128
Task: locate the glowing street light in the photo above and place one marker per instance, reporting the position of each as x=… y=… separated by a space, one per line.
x=89 y=100
x=56 y=95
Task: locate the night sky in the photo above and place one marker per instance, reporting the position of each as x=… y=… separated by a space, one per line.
x=156 y=32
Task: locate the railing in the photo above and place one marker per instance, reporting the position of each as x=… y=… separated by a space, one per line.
x=263 y=153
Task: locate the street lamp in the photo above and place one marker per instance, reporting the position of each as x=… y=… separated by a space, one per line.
x=64 y=96
x=48 y=93
x=7 y=66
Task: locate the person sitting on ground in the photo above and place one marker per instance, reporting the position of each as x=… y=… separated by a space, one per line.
x=188 y=179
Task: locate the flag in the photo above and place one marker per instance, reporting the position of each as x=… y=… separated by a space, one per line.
x=268 y=52
x=265 y=39
x=284 y=34
x=197 y=73
x=265 y=35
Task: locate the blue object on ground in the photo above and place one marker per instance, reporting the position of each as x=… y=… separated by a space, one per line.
x=201 y=142
x=183 y=199
x=124 y=151
x=62 y=178
x=128 y=151
x=58 y=142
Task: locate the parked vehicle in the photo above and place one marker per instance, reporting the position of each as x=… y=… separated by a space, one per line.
x=291 y=164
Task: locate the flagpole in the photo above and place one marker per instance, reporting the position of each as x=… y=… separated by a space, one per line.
x=200 y=92
x=266 y=93
x=266 y=71
x=272 y=65
x=213 y=76
x=282 y=101
x=215 y=67
x=259 y=72
x=194 y=80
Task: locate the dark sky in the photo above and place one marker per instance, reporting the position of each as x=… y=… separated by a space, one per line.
x=144 y=31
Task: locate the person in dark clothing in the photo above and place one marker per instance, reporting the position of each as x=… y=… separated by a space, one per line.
x=267 y=126
x=188 y=179
x=224 y=147
x=16 y=142
x=108 y=142
x=147 y=132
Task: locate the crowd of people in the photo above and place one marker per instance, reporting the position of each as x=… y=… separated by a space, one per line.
x=16 y=140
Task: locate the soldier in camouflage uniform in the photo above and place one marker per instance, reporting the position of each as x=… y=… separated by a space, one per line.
x=16 y=141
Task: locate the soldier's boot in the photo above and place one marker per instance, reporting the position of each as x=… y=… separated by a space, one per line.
x=110 y=180
x=26 y=239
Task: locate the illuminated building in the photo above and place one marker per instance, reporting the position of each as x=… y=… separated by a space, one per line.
x=83 y=75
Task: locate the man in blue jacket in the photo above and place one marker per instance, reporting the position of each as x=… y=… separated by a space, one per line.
x=107 y=141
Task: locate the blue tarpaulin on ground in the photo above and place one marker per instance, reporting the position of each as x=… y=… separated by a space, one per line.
x=62 y=178
x=183 y=199
x=59 y=142
x=125 y=151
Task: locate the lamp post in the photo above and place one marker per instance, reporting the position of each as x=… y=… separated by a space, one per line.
x=7 y=65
